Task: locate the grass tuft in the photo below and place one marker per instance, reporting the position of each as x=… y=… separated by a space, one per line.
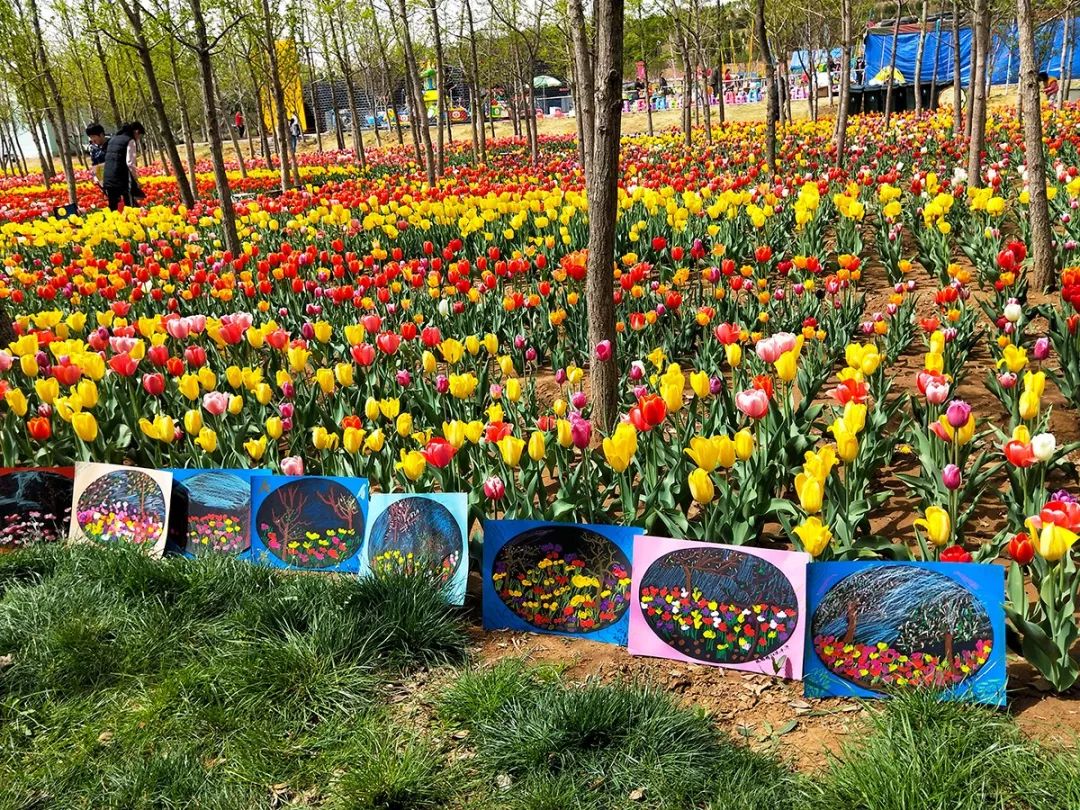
x=387 y=774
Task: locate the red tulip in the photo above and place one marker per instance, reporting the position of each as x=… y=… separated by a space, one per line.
x=123 y=365
x=954 y=554
x=39 y=428
x=195 y=356
x=659 y=243
x=762 y=253
x=650 y=411
x=1062 y=513
x=439 y=452
x=431 y=336
x=66 y=373
x=1021 y=548
x=153 y=384
x=388 y=342
x=363 y=354
x=1018 y=453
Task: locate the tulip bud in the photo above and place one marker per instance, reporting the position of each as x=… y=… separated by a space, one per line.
x=950 y=477
x=1042 y=348
x=494 y=488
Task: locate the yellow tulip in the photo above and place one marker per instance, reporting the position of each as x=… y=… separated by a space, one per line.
x=705 y=453
x=236 y=405
x=193 y=421
x=29 y=365
x=847 y=443
x=513 y=389
x=263 y=394
x=936 y=524
x=702 y=489
x=744 y=444
x=428 y=362
x=495 y=412
x=47 y=389
x=506 y=365
x=472 y=345
x=371 y=408
x=451 y=350
x=733 y=351
x=298 y=358
x=510 y=447
x=256 y=448
x=1029 y=405
x=564 y=433
x=491 y=343
x=374 y=442
x=810 y=492
x=820 y=464
x=87 y=392
x=343 y=373
x=323 y=439
x=559 y=407
x=699 y=381
x=1014 y=358
x=85 y=426
x=474 y=430
x=814 y=535
x=620 y=447
x=537 y=446
x=353 y=439
x=412 y=464
x=787 y=366
x=274 y=427
x=207 y=439
x=404 y=424
x=1054 y=541
x=16 y=400
x=323 y=331
x=725 y=450
x=462 y=386
x=855 y=416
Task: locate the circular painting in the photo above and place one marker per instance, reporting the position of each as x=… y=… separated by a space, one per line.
x=311 y=523
x=123 y=506
x=718 y=605
x=901 y=626
x=35 y=506
x=563 y=578
x=211 y=514
x=416 y=534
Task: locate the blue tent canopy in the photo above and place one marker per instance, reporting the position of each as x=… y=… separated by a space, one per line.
x=940 y=49
x=802 y=59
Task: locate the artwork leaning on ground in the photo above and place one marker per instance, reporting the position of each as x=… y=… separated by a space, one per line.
x=35 y=505
x=728 y=606
x=878 y=627
x=121 y=505
x=411 y=533
x=211 y=512
x=313 y=523
x=563 y=578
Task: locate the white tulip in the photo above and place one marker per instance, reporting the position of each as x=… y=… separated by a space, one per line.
x=1043 y=446
x=1013 y=312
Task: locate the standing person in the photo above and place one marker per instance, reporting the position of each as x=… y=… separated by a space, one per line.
x=238 y=119
x=120 y=179
x=95 y=134
x=294 y=131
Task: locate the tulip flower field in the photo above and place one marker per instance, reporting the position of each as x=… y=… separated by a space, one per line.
x=804 y=356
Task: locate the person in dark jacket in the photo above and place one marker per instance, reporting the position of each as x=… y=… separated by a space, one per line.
x=120 y=178
x=96 y=145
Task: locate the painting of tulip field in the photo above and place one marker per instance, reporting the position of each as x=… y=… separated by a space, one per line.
x=558 y=578
x=35 y=506
x=211 y=512
x=121 y=505
x=721 y=605
x=311 y=523
x=878 y=628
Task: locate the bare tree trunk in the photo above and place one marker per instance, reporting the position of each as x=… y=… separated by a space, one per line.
x=185 y=119
x=440 y=86
x=412 y=78
x=583 y=67
x=770 y=85
x=1043 y=265
x=603 y=187
x=892 y=65
x=233 y=135
x=264 y=141
x=1066 y=58
x=958 y=117
x=475 y=91
x=270 y=43
x=845 y=81
x=41 y=144
x=721 y=112
x=977 y=89
x=110 y=89
x=919 y=58
x=217 y=157
x=688 y=92
x=315 y=111
x=61 y=114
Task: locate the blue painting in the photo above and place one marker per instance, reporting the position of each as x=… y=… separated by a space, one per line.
x=566 y=579
x=412 y=532
x=314 y=523
x=881 y=627
x=211 y=512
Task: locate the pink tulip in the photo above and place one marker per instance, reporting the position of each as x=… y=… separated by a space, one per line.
x=215 y=402
x=292 y=465
x=580 y=431
x=1007 y=380
x=753 y=402
x=494 y=488
x=178 y=328
x=768 y=349
x=603 y=350
x=937 y=392
x=5 y=361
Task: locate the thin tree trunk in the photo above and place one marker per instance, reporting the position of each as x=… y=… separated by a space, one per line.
x=413 y=79
x=845 y=82
x=110 y=89
x=603 y=187
x=217 y=157
x=270 y=43
x=183 y=187
x=1043 y=264
x=919 y=57
x=41 y=144
x=480 y=111
x=721 y=112
x=579 y=38
x=892 y=65
x=185 y=120
x=440 y=87
x=61 y=114
x=315 y=111
x=977 y=89
x=770 y=85
x=958 y=116
x=1066 y=58
x=233 y=135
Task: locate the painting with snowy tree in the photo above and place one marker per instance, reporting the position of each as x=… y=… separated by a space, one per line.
x=883 y=627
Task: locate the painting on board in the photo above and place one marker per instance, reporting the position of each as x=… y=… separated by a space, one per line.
x=314 y=523
x=412 y=532
x=728 y=606
x=35 y=505
x=121 y=505
x=211 y=512
x=877 y=627
x=568 y=579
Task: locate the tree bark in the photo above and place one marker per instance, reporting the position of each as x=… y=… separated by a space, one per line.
x=412 y=79
x=278 y=90
x=440 y=87
x=134 y=16
x=475 y=91
x=61 y=114
x=583 y=65
x=185 y=119
x=217 y=156
x=1043 y=265
x=603 y=193
x=977 y=89
x=223 y=112
x=919 y=57
x=892 y=64
x=770 y=85
x=958 y=117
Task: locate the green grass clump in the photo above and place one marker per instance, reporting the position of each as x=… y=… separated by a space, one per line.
x=921 y=753
x=605 y=746
x=139 y=683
